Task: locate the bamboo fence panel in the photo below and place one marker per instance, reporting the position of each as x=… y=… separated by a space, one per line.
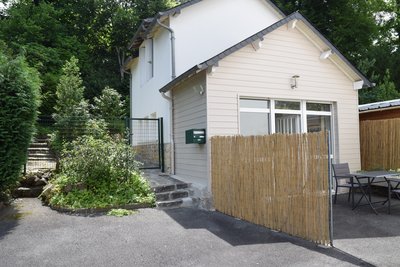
x=380 y=144
x=278 y=181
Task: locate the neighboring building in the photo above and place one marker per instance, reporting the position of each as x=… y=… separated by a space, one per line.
x=380 y=110
x=242 y=67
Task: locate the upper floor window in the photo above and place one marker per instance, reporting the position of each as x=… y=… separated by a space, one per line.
x=146 y=58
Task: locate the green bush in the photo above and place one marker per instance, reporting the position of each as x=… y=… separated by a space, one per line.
x=19 y=101
x=110 y=107
x=99 y=173
x=72 y=111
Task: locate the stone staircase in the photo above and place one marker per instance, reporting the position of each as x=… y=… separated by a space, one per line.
x=40 y=155
x=174 y=196
x=170 y=193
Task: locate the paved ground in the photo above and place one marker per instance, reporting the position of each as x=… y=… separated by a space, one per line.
x=362 y=233
x=33 y=235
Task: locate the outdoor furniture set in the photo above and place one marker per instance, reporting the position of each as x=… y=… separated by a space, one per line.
x=362 y=181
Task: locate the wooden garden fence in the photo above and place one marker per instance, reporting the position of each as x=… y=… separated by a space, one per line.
x=278 y=181
x=380 y=144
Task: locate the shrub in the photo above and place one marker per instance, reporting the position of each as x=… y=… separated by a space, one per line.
x=72 y=111
x=19 y=101
x=110 y=107
x=99 y=173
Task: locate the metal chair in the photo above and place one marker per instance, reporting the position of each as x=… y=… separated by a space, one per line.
x=342 y=173
x=392 y=190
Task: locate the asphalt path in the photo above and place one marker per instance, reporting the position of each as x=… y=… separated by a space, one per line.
x=34 y=235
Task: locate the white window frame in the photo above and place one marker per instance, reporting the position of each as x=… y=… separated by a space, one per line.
x=254 y=110
x=272 y=111
x=146 y=61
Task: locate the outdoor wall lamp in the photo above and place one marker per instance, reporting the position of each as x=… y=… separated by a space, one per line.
x=199 y=89
x=294 y=81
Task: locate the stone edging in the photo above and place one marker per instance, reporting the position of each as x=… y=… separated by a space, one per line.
x=92 y=211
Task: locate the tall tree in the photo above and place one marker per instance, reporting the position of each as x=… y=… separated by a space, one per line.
x=96 y=32
x=366 y=32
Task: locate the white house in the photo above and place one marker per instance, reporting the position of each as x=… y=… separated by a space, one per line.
x=241 y=67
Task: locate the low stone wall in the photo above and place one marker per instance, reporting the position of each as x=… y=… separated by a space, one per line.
x=148 y=154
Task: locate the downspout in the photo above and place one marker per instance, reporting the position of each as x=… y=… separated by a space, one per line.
x=171 y=105
x=173 y=76
x=171 y=115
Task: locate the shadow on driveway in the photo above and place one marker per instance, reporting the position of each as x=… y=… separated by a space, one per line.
x=9 y=219
x=363 y=222
x=238 y=233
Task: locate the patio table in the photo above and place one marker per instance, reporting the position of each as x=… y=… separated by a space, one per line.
x=371 y=177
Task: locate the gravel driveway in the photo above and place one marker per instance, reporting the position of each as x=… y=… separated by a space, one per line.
x=33 y=235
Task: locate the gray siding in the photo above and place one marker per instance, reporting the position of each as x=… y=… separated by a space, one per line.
x=190 y=113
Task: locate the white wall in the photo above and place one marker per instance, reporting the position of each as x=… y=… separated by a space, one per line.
x=146 y=98
x=209 y=27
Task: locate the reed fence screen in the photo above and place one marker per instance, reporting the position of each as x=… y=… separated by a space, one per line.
x=380 y=144
x=278 y=181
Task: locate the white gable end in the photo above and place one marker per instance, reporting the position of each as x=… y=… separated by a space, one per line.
x=211 y=26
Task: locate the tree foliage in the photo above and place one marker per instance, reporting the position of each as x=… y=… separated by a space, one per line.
x=364 y=31
x=72 y=111
x=109 y=105
x=19 y=102
x=97 y=32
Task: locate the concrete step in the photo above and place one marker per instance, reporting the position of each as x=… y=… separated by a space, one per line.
x=169 y=204
x=41 y=140
x=170 y=187
x=41 y=158
x=40 y=155
x=172 y=195
x=178 y=203
x=42 y=150
x=39 y=145
x=29 y=192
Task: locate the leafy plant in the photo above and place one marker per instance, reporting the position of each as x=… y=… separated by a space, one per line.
x=110 y=107
x=121 y=212
x=99 y=173
x=109 y=104
x=19 y=102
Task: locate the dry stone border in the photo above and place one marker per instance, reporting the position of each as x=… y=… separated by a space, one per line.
x=32 y=184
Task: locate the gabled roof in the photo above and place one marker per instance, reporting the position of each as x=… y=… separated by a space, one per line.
x=260 y=36
x=379 y=105
x=148 y=24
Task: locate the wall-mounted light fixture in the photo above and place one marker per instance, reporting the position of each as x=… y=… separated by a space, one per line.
x=294 y=83
x=199 y=89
